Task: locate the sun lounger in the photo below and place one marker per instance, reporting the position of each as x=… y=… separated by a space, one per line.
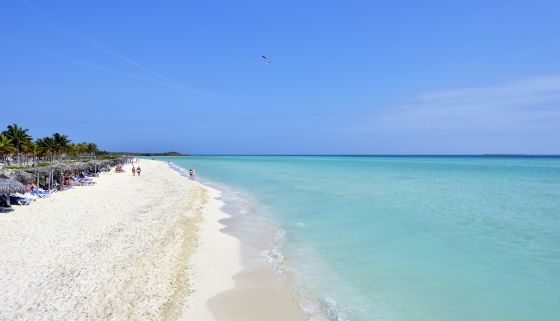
x=20 y=200
x=58 y=187
x=41 y=193
x=87 y=180
x=26 y=195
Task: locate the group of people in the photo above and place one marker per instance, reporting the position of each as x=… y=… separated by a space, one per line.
x=136 y=170
x=67 y=180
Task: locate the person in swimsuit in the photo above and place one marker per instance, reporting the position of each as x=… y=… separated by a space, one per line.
x=67 y=181
x=138 y=170
x=133 y=171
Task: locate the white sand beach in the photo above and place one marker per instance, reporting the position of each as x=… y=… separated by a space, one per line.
x=132 y=248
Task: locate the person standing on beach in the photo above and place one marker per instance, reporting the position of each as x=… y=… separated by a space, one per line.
x=133 y=171
x=190 y=174
x=138 y=170
x=193 y=175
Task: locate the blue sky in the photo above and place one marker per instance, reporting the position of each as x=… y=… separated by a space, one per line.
x=354 y=77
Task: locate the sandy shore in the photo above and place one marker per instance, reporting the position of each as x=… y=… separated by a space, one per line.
x=133 y=248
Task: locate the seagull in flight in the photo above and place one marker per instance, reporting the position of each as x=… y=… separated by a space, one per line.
x=266 y=61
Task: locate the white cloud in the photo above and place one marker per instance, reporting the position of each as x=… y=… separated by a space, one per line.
x=528 y=105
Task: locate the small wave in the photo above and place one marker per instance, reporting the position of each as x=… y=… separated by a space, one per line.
x=273 y=257
x=279 y=235
x=327 y=308
x=231 y=196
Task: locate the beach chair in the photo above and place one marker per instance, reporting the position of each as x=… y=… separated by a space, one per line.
x=26 y=195
x=41 y=193
x=46 y=192
x=4 y=207
x=58 y=187
x=87 y=180
x=87 y=173
x=20 y=200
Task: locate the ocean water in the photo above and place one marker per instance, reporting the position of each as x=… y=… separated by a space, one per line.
x=404 y=238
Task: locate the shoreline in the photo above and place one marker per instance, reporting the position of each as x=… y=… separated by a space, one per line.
x=116 y=251
x=229 y=279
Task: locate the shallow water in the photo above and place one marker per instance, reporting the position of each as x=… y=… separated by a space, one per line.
x=404 y=238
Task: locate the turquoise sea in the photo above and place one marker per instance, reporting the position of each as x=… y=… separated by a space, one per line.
x=405 y=237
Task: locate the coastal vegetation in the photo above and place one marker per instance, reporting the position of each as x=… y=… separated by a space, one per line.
x=17 y=148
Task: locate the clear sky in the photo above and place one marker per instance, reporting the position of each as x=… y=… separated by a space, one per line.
x=346 y=77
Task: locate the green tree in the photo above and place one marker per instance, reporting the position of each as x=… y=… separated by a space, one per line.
x=61 y=142
x=73 y=150
x=34 y=151
x=6 y=147
x=47 y=146
x=92 y=149
x=19 y=138
x=82 y=149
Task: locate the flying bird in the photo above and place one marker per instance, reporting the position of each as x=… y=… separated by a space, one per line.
x=266 y=61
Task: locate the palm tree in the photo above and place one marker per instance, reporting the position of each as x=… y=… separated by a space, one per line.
x=73 y=150
x=6 y=147
x=47 y=146
x=34 y=150
x=61 y=142
x=18 y=137
x=92 y=149
x=82 y=149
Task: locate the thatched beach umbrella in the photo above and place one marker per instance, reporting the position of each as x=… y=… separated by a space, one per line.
x=62 y=168
x=10 y=186
x=95 y=164
x=38 y=171
x=79 y=166
x=22 y=177
x=17 y=175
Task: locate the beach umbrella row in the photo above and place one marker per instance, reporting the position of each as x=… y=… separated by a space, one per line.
x=34 y=173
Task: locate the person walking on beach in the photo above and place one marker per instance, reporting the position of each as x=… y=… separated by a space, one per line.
x=138 y=170
x=193 y=175
x=133 y=171
x=190 y=174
